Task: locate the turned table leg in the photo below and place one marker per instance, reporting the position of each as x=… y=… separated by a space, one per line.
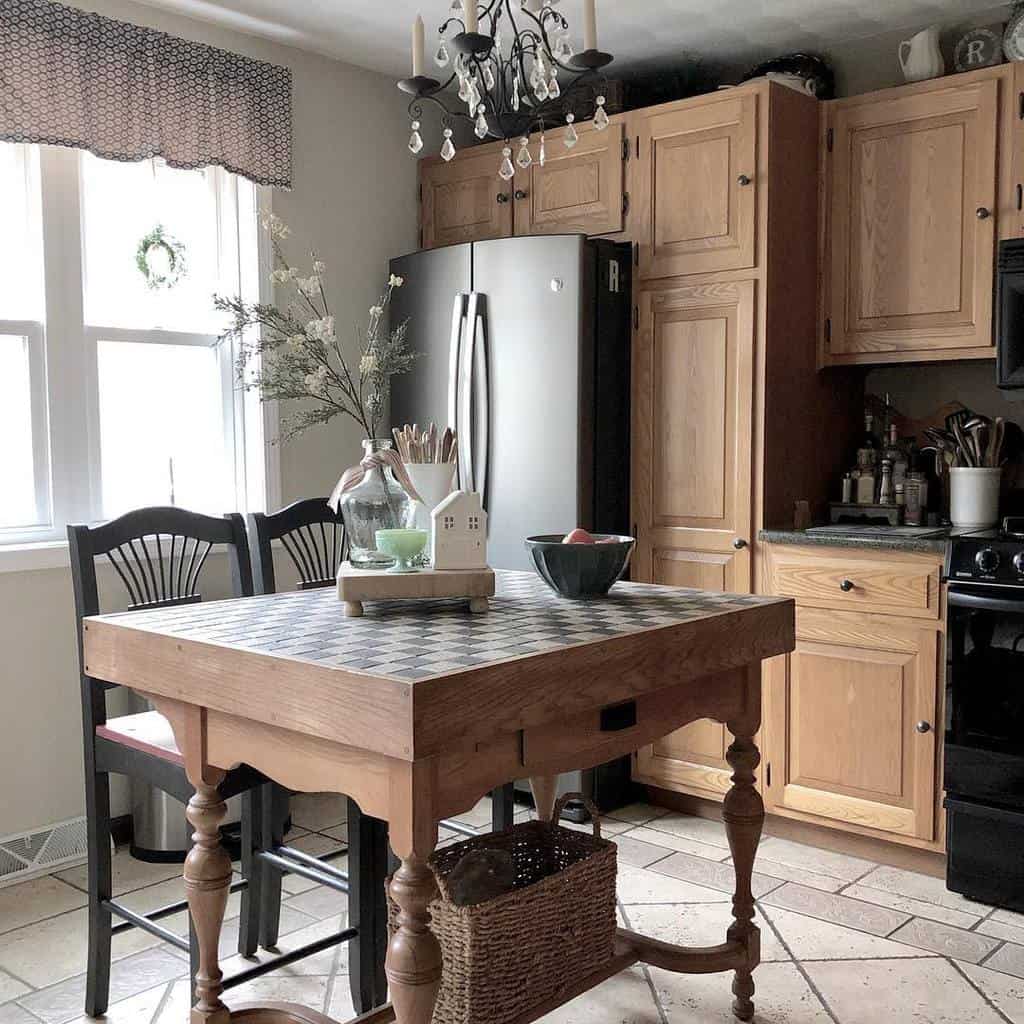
x=207 y=883
x=545 y=789
x=743 y=813
x=413 y=963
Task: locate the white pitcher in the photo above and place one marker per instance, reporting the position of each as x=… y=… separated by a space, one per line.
x=920 y=57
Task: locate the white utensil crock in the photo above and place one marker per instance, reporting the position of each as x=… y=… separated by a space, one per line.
x=974 y=496
x=434 y=481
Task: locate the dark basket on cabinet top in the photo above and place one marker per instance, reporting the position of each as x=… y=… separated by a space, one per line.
x=518 y=951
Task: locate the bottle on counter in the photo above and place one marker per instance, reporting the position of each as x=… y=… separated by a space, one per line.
x=894 y=452
x=864 y=479
x=901 y=496
x=886 y=496
x=847 y=491
x=869 y=442
x=913 y=509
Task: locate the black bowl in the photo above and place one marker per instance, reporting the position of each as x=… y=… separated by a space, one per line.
x=580 y=571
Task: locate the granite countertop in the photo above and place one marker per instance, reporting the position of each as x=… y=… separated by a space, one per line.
x=934 y=542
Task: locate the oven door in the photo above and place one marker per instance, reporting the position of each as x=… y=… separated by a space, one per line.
x=984 y=745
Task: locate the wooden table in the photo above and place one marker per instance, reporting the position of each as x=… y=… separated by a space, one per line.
x=418 y=709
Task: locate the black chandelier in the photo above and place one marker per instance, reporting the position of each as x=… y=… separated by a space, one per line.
x=517 y=74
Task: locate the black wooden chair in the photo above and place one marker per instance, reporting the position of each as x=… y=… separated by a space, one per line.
x=313 y=536
x=158 y=555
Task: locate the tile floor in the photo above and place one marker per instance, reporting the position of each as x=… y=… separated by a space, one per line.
x=843 y=940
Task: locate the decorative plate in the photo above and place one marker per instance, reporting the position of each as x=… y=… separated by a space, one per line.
x=1013 y=38
x=979 y=48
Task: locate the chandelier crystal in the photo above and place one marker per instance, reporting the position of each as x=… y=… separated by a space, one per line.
x=516 y=74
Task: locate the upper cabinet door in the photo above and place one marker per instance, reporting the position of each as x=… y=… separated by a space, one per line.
x=578 y=190
x=465 y=200
x=913 y=185
x=696 y=185
x=1014 y=228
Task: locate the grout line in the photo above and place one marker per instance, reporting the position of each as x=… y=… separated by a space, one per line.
x=860 y=878
x=20 y=981
x=332 y=977
x=925 y=955
x=799 y=966
x=162 y=1005
x=977 y=988
x=34 y=1016
x=988 y=956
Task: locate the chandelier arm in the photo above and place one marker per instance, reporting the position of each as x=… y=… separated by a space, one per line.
x=416 y=108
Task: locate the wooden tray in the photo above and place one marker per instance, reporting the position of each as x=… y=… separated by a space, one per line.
x=358 y=585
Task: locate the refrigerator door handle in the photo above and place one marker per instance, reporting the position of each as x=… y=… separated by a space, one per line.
x=481 y=392
x=465 y=397
x=456 y=352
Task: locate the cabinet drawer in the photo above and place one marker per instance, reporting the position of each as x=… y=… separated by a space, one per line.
x=856 y=581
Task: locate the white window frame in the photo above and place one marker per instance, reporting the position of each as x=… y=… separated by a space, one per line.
x=64 y=375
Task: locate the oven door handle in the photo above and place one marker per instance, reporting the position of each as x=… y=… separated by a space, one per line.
x=959 y=599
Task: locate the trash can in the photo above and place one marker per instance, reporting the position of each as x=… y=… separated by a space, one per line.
x=161 y=833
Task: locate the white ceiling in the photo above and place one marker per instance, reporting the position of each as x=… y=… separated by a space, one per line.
x=375 y=33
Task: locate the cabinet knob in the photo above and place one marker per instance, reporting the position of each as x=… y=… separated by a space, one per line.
x=502 y=197
x=846 y=586
x=521 y=193
x=983 y=213
x=739 y=543
x=743 y=180
x=923 y=727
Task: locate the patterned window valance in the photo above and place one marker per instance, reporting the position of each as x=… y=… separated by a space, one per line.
x=69 y=78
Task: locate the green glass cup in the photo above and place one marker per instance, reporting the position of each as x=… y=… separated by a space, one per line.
x=403 y=546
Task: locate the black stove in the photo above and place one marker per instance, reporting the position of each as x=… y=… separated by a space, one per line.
x=984 y=738
x=988 y=556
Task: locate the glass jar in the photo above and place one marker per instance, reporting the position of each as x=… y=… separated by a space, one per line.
x=377 y=502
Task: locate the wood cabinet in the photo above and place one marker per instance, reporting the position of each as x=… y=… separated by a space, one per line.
x=464 y=200
x=1014 y=192
x=577 y=190
x=696 y=185
x=692 y=455
x=727 y=400
x=913 y=202
x=852 y=716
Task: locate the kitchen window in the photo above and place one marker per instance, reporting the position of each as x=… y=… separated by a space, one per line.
x=115 y=394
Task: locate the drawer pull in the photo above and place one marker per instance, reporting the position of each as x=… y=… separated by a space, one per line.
x=923 y=727
x=502 y=197
x=983 y=213
x=846 y=586
x=739 y=543
x=743 y=180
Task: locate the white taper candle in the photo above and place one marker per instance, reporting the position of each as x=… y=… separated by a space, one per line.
x=417 y=47
x=589 y=24
x=472 y=21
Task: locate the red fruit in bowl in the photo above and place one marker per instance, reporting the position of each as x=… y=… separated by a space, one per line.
x=607 y=540
x=578 y=536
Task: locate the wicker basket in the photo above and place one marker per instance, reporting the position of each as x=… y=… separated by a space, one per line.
x=508 y=955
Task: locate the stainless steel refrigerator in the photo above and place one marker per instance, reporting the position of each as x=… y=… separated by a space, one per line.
x=525 y=350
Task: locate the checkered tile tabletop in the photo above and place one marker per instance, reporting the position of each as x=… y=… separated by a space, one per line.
x=413 y=640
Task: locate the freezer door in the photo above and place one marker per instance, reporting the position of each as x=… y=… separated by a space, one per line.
x=433 y=280
x=535 y=330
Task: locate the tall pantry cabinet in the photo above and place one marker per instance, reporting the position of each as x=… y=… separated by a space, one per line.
x=731 y=422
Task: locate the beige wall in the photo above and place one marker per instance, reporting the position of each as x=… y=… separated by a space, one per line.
x=354 y=201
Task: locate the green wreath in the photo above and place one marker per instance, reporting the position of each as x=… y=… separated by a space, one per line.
x=171 y=267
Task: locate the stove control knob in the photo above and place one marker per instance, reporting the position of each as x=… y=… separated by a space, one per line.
x=1018 y=562
x=987 y=560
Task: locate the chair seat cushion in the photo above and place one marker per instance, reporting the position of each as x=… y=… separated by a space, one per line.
x=149 y=732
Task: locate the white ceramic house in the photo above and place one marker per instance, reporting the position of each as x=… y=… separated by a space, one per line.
x=460 y=532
